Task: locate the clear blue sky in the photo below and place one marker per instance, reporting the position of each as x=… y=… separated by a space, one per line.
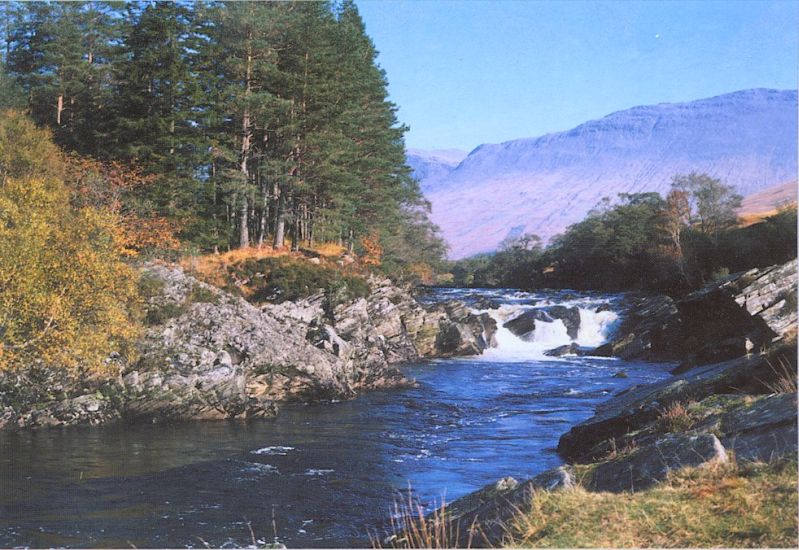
x=470 y=72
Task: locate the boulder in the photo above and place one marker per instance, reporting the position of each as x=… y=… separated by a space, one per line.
x=648 y=465
x=636 y=407
x=570 y=317
x=524 y=324
x=480 y=518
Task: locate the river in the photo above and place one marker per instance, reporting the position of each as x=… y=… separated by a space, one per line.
x=319 y=475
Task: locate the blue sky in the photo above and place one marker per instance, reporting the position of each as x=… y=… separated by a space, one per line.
x=466 y=72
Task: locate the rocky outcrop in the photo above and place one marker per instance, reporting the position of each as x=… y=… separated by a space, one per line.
x=480 y=519
x=742 y=313
x=648 y=465
x=208 y=354
x=638 y=406
x=647 y=331
x=523 y=325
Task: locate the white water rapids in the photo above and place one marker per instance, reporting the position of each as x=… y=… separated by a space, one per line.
x=595 y=329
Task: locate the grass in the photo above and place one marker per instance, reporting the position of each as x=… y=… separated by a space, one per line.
x=675 y=418
x=724 y=505
x=784 y=376
x=412 y=526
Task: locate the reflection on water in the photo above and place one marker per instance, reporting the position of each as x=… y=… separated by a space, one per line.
x=319 y=475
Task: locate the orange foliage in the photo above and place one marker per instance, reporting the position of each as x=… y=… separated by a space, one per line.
x=373 y=251
x=106 y=186
x=423 y=272
x=140 y=233
x=212 y=268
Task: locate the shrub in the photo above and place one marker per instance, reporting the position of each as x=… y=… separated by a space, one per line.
x=675 y=418
x=65 y=294
x=277 y=279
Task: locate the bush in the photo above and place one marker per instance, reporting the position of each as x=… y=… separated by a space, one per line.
x=282 y=278
x=66 y=296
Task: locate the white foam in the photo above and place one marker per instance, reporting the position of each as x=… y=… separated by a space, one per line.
x=320 y=472
x=274 y=450
x=595 y=327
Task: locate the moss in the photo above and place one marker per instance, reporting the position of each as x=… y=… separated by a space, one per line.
x=200 y=294
x=157 y=315
x=726 y=506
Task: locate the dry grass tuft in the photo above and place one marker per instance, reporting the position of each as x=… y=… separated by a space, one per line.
x=675 y=418
x=785 y=376
x=413 y=527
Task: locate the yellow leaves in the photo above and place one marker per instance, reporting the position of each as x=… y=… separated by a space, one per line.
x=65 y=294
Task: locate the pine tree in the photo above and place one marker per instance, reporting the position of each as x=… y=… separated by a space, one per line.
x=60 y=54
x=156 y=122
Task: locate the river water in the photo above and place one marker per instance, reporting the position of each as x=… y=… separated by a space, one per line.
x=319 y=475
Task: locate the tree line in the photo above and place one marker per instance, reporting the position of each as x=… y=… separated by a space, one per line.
x=642 y=241
x=255 y=123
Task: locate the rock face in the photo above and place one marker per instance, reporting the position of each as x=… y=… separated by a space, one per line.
x=211 y=355
x=742 y=313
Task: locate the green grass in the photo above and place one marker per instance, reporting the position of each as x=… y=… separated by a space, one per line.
x=725 y=505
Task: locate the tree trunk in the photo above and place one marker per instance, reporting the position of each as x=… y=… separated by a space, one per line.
x=280 y=222
x=244 y=228
x=246 y=137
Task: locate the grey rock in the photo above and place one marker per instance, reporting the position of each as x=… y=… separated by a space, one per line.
x=481 y=518
x=523 y=325
x=651 y=464
x=638 y=406
x=761 y=430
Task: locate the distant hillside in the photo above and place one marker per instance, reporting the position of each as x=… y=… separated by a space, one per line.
x=767 y=202
x=542 y=185
x=431 y=166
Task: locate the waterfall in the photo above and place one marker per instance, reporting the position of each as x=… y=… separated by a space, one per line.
x=595 y=328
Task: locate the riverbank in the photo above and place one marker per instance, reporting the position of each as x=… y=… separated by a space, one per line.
x=208 y=353
x=165 y=484
x=730 y=404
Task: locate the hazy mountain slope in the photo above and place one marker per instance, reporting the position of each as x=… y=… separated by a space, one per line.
x=767 y=202
x=541 y=185
x=431 y=166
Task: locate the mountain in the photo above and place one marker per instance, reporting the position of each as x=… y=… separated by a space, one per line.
x=542 y=185
x=767 y=202
x=431 y=166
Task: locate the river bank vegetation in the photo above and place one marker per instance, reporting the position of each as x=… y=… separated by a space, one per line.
x=642 y=241
x=141 y=131
x=226 y=125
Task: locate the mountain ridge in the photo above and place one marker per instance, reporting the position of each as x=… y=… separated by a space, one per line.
x=543 y=184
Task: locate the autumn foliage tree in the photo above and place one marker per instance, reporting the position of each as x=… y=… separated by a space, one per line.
x=65 y=295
